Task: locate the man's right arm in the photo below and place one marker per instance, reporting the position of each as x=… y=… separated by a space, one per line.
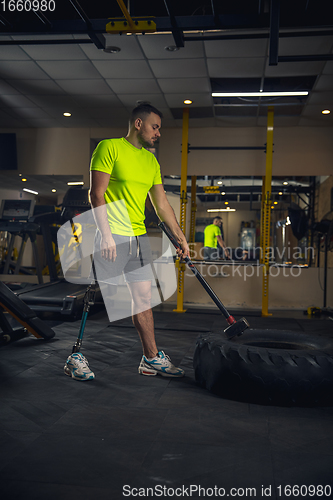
x=223 y=245
x=98 y=185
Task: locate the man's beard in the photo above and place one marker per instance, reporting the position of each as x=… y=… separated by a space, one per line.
x=145 y=143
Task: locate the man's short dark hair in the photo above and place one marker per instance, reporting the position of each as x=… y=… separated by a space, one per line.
x=142 y=111
x=217 y=217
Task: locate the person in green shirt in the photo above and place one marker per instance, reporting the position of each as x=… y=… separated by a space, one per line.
x=212 y=237
x=123 y=173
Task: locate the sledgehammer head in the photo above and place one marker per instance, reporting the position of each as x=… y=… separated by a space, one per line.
x=237 y=328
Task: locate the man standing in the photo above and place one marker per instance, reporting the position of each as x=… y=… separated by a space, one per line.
x=123 y=173
x=212 y=237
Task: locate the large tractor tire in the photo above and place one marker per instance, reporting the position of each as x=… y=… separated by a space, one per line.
x=274 y=367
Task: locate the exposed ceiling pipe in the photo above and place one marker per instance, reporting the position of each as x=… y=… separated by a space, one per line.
x=42 y=17
x=5 y=22
x=249 y=36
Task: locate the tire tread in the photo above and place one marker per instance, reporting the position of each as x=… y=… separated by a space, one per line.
x=269 y=375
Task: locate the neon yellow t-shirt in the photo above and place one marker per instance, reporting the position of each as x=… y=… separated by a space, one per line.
x=132 y=172
x=210 y=235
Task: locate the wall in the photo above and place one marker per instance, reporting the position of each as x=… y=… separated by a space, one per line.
x=60 y=151
x=297 y=150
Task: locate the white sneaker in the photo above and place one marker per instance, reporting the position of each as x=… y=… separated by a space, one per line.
x=161 y=365
x=77 y=367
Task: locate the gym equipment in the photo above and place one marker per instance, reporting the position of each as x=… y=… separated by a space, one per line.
x=17 y=209
x=21 y=313
x=324 y=230
x=25 y=219
x=276 y=367
x=248 y=238
x=48 y=217
x=59 y=296
x=15 y=219
x=235 y=328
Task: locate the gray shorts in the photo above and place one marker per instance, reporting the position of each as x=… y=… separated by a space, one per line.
x=133 y=261
x=211 y=253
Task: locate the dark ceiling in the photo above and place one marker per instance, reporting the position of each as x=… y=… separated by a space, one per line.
x=292 y=13
x=227 y=15
x=53 y=61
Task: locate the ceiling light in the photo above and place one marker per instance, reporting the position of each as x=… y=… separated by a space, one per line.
x=272 y=206
x=220 y=182
x=54 y=190
x=221 y=210
x=280 y=193
x=223 y=193
x=285 y=183
x=259 y=94
x=30 y=191
x=188 y=101
x=24 y=180
x=171 y=48
x=226 y=203
x=67 y=114
x=112 y=50
x=79 y=183
x=275 y=202
x=326 y=112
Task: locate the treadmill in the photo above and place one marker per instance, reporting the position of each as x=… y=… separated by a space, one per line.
x=59 y=296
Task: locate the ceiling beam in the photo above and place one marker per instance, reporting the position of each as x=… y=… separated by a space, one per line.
x=178 y=25
x=97 y=38
x=36 y=41
x=167 y=23
x=274 y=33
x=215 y=13
x=311 y=57
x=178 y=35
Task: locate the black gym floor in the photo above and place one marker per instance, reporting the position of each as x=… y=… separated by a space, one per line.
x=124 y=435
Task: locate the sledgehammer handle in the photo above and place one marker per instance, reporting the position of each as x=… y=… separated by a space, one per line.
x=230 y=319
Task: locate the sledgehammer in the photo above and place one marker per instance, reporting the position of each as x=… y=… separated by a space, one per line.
x=235 y=327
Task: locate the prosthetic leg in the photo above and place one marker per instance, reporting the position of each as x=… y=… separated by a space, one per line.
x=77 y=365
x=88 y=301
